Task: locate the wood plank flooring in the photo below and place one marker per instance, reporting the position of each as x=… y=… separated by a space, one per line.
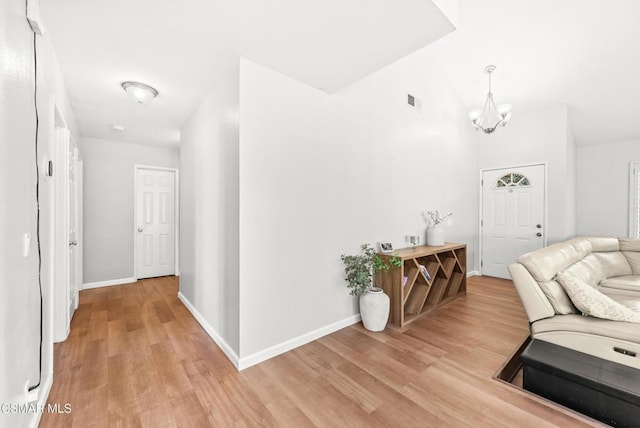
x=136 y=357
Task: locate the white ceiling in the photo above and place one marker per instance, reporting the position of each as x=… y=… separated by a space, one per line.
x=177 y=47
x=582 y=53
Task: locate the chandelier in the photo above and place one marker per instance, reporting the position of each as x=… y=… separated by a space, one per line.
x=490 y=117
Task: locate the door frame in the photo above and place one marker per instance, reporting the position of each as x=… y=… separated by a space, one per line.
x=60 y=241
x=80 y=223
x=176 y=208
x=78 y=197
x=544 y=214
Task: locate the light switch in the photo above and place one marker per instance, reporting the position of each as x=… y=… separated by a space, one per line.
x=33 y=16
x=26 y=245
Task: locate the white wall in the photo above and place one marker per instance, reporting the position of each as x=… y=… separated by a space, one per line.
x=535 y=137
x=603 y=188
x=209 y=204
x=19 y=291
x=571 y=187
x=109 y=204
x=320 y=175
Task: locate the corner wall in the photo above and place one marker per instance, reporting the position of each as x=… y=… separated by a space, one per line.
x=321 y=174
x=209 y=209
x=109 y=204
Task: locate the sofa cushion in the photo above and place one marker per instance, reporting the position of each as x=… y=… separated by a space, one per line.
x=630 y=301
x=583 y=246
x=629 y=244
x=545 y=263
x=615 y=263
x=590 y=270
x=558 y=298
x=536 y=304
x=626 y=282
x=603 y=244
x=592 y=302
x=630 y=247
x=633 y=258
x=587 y=325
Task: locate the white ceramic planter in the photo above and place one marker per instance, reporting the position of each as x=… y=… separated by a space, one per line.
x=435 y=236
x=374 y=309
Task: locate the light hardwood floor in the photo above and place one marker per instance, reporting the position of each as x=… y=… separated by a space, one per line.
x=136 y=357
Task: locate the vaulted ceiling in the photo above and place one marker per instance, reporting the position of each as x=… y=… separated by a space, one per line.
x=582 y=53
x=178 y=47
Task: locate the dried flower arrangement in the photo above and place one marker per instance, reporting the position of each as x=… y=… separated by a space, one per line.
x=433 y=218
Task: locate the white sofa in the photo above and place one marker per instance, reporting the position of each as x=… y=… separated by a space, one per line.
x=610 y=265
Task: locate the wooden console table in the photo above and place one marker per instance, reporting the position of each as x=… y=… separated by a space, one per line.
x=429 y=277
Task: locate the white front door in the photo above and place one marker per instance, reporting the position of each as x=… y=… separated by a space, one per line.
x=155 y=223
x=512 y=220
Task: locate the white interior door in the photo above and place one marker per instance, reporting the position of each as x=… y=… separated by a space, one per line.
x=62 y=293
x=155 y=223
x=73 y=271
x=66 y=227
x=79 y=174
x=512 y=220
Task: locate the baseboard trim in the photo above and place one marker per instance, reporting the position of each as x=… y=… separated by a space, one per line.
x=224 y=346
x=42 y=400
x=473 y=273
x=108 y=283
x=260 y=356
x=288 y=345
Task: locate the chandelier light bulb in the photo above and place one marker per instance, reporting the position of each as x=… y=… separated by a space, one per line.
x=504 y=108
x=475 y=114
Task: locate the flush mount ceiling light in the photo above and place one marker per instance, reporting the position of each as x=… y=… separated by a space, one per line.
x=139 y=92
x=490 y=117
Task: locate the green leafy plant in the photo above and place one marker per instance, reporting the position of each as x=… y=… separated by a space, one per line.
x=359 y=268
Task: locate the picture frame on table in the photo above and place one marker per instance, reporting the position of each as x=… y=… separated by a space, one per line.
x=385 y=247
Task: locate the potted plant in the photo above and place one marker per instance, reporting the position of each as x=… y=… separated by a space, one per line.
x=435 y=232
x=359 y=270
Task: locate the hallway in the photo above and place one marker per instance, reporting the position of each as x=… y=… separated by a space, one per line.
x=129 y=359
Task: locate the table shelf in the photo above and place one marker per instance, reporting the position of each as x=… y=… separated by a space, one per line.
x=413 y=293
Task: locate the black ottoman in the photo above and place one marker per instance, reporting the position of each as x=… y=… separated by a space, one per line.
x=601 y=389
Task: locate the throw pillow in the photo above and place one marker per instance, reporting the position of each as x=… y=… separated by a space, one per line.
x=592 y=302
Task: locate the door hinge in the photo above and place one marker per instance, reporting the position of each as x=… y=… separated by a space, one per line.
x=481 y=262
x=482 y=182
x=481 y=223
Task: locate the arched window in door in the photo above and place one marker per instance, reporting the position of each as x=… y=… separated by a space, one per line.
x=512 y=180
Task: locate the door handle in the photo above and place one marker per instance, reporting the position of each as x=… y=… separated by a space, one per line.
x=73 y=243
x=140 y=229
x=539 y=226
x=538 y=234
